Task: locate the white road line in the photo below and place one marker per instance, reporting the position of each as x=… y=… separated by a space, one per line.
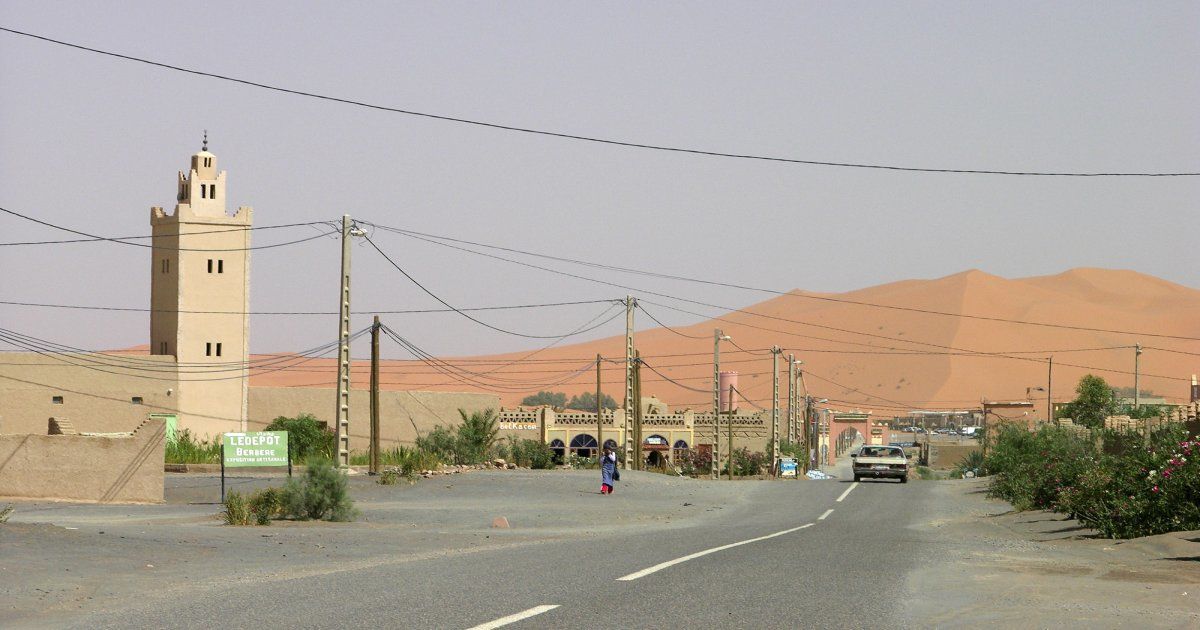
x=852 y=486
x=827 y=513
x=524 y=614
x=670 y=563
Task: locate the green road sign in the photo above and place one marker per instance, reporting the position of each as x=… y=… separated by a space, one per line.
x=258 y=448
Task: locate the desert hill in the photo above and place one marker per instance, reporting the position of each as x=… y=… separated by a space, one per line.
x=888 y=361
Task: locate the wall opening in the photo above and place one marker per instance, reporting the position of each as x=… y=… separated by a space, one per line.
x=208 y=349
x=137 y=400
x=218 y=348
x=57 y=400
x=220 y=266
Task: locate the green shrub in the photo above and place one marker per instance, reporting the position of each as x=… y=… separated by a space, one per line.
x=476 y=435
x=266 y=504
x=1031 y=469
x=973 y=462
x=694 y=463
x=533 y=454
x=1137 y=490
x=237 y=509
x=747 y=463
x=583 y=463
x=392 y=476
x=321 y=494
x=5 y=513
x=187 y=449
x=307 y=436
x=442 y=442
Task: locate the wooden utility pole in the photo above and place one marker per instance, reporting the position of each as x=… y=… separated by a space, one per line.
x=375 y=397
x=599 y=411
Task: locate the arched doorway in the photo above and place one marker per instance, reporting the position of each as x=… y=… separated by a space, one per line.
x=559 y=448
x=583 y=445
x=679 y=450
x=657 y=450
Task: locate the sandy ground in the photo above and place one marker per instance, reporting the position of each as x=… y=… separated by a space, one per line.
x=1039 y=569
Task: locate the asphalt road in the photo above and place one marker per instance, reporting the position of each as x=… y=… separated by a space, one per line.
x=661 y=552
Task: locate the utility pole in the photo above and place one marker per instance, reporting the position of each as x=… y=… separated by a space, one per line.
x=638 y=459
x=599 y=411
x=775 y=406
x=716 y=445
x=342 y=412
x=1049 y=396
x=1137 y=372
x=375 y=397
x=791 y=418
x=630 y=404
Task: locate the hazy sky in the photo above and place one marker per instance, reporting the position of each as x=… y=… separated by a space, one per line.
x=91 y=142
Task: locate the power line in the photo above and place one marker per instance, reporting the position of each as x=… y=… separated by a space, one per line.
x=665 y=276
x=571 y=136
x=238 y=228
x=367 y=312
x=159 y=247
x=460 y=311
x=772 y=317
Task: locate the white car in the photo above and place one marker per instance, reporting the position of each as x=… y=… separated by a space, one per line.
x=879 y=462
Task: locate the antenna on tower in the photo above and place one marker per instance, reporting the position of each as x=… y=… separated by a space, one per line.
x=204 y=147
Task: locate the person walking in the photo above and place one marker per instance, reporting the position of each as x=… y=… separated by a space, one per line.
x=608 y=471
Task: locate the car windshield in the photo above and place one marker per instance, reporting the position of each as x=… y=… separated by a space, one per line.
x=880 y=451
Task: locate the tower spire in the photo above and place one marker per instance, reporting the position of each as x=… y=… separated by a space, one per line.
x=204 y=147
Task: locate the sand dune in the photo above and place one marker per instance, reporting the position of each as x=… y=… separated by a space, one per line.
x=887 y=361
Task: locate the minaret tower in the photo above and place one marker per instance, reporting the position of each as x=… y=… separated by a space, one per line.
x=200 y=298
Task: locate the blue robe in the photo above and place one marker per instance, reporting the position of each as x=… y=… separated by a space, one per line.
x=608 y=465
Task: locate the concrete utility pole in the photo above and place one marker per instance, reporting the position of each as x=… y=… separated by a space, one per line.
x=775 y=351
x=1049 y=395
x=791 y=417
x=342 y=411
x=638 y=458
x=630 y=403
x=716 y=445
x=599 y=411
x=375 y=397
x=1137 y=373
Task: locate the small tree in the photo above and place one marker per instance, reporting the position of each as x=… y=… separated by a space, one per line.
x=551 y=399
x=307 y=436
x=587 y=402
x=476 y=435
x=1094 y=402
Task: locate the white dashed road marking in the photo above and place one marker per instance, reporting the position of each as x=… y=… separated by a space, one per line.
x=852 y=486
x=827 y=513
x=670 y=563
x=524 y=614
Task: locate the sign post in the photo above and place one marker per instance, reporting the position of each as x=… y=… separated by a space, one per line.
x=254 y=449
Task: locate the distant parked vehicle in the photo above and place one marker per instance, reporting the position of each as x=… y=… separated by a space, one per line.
x=970 y=431
x=880 y=462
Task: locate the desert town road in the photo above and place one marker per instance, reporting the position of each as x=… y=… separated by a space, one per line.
x=662 y=552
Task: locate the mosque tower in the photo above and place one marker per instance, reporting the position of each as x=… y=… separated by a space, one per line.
x=200 y=298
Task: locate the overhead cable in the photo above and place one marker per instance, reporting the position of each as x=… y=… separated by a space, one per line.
x=579 y=137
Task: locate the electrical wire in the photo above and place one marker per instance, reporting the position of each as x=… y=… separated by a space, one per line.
x=458 y=310
x=239 y=228
x=437 y=238
x=571 y=136
x=366 y=312
x=160 y=247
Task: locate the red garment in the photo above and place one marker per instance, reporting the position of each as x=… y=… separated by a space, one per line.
x=605 y=489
